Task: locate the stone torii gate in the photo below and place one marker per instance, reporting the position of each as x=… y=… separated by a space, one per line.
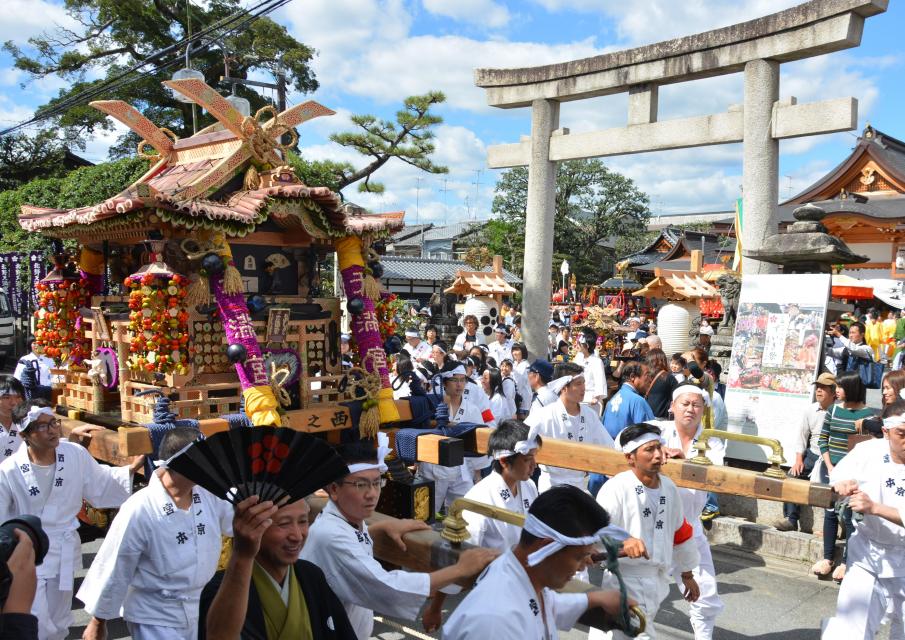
x=756 y=48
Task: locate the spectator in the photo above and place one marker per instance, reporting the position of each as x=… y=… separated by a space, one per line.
x=659 y=393
x=714 y=369
x=837 y=427
x=520 y=375
x=567 y=419
x=899 y=338
x=807 y=448
x=468 y=338
x=503 y=407
x=37 y=360
x=890 y=389
x=628 y=405
x=677 y=365
x=705 y=333
x=594 y=373
x=540 y=373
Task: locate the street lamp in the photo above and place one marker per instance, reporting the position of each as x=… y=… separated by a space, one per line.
x=564 y=270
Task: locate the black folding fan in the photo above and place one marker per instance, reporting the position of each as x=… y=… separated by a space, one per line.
x=269 y=462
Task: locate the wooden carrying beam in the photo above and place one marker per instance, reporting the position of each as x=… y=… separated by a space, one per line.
x=740 y=482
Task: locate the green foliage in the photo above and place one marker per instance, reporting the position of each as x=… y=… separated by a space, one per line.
x=319 y=173
x=114 y=34
x=410 y=139
x=79 y=188
x=24 y=158
x=594 y=206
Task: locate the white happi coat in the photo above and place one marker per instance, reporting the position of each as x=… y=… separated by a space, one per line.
x=876 y=544
x=874 y=585
x=156 y=558
x=553 y=421
x=594 y=377
x=455 y=481
x=503 y=606
x=10 y=440
x=492 y=490
x=544 y=398
x=502 y=407
x=704 y=611
x=421 y=352
x=520 y=375
x=657 y=517
x=500 y=352
x=346 y=556
x=78 y=476
x=693 y=499
x=474 y=395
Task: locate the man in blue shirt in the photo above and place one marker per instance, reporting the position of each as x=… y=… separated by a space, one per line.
x=626 y=408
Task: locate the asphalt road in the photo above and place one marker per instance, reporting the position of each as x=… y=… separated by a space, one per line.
x=766 y=599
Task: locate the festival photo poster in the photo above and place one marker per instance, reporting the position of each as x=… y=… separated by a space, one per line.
x=776 y=355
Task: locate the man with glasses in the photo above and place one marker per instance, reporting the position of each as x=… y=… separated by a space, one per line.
x=468 y=338
x=339 y=542
x=50 y=478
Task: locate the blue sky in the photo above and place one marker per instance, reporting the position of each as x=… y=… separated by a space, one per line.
x=373 y=53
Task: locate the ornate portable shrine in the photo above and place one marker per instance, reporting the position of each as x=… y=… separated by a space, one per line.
x=200 y=282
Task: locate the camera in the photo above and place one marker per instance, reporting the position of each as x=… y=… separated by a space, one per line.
x=29 y=524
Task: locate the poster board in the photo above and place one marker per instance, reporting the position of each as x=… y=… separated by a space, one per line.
x=776 y=355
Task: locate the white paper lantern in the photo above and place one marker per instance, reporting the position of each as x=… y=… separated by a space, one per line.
x=485 y=309
x=674 y=324
x=185 y=74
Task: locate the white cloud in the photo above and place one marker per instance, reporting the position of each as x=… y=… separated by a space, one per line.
x=657 y=20
x=23 y=19
x=486 y=13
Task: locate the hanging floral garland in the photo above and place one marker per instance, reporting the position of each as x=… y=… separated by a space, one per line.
x=158 y=322
x=59 y=328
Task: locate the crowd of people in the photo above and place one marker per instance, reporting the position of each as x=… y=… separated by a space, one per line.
x=287 y=577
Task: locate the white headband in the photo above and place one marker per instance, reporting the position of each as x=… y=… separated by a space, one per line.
x=439 y=348
x=459 y=370
x=893 y=421
x=523 y=447
x=34 y=412
x=557 y=385
x=644 y=438
x=690 y=388
x=165 y=464
x=412 y=333
x=538 y=529
x=383 y=448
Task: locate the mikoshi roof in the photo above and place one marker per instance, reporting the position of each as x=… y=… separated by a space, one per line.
x=230 y=177
x=678 y=286
x=479 y=283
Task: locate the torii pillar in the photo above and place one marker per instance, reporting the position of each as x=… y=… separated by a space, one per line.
x=756 y=47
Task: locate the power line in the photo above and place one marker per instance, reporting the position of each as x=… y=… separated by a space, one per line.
x=244 y=17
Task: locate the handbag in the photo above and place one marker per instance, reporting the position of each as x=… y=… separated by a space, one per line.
x=870 y=372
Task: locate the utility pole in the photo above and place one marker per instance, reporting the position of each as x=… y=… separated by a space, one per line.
x=477 y=185
x=444 y=191
x=418 y=210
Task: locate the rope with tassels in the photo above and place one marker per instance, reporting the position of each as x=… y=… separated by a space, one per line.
x=369 y=423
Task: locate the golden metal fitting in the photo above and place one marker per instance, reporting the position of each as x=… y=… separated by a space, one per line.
x=776 y=458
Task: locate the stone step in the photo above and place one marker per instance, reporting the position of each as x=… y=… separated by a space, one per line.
x=764 y=540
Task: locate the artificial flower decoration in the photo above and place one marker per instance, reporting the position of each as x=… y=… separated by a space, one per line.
x=58 y=328
x=158 y=320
